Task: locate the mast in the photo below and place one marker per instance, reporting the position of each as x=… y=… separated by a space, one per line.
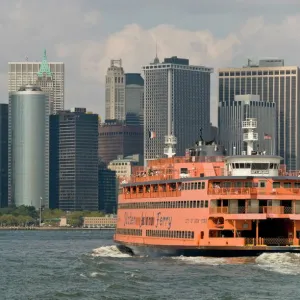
x=170 y=142
x=250 y=136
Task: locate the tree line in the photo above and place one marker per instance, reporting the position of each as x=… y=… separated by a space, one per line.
x=23 y=216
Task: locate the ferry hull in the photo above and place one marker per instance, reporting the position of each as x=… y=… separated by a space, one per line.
x=163 y=251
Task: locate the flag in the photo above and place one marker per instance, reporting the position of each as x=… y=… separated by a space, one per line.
x=152 y=134
x=267 y=136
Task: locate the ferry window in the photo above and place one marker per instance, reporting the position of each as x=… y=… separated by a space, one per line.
x=262 y=184
x=271 y=166
x=276 y=185
x=225 y=202
x=189 y=186
x=201 y=174
x=238 y=184
x=216 y=184
x=184 y=186
x=237 y=166
x=203 y=185
x=247 y=166
x=287 y=185
x=242 y=165
x=202 y=202
x=227 y=184
x=194 y=204
x=202 y=235
x=206 y=203
x=198 y=204
x=199 y=185
x=184 y=171
x=260 y=166
x=192 y=185
x=248 y=184
x=297 y=185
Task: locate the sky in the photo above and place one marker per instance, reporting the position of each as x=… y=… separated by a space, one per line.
x=87 y=34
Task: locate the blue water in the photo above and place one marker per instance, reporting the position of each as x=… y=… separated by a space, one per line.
x=86 y=265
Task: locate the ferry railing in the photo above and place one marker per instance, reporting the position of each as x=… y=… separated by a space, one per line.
x=277 y=241
x=251 y=191
x=160 y=194
x=218 y=210
x=251 y=210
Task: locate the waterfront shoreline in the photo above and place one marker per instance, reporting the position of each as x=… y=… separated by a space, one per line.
x=53 y=228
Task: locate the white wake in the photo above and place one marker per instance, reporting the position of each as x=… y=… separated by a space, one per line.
x=109 y=251
x=284 y=263
x=201 y=260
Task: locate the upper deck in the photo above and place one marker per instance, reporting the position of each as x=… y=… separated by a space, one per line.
x=189 y=168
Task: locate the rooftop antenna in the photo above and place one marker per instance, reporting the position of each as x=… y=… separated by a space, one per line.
x=156 y=59
x=26 y=58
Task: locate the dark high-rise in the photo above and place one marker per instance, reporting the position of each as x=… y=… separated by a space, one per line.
x=118 y=138
x=134 y=99
x=3 y=155
x=74 y=160
x=107 y=190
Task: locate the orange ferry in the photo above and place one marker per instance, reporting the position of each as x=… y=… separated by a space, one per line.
x=208 y=204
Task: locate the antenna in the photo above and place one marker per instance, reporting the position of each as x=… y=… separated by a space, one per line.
x=26 y=58
x=156 y=59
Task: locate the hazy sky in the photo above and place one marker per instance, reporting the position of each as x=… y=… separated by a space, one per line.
x=86 y=34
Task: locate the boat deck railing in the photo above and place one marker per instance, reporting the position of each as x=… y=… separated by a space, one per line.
x=273 y=241
x=160 y=194
x=253 y=191
x=279 y=210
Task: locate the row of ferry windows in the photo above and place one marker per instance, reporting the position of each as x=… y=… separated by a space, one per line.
x=250 y=184
x=171 y=234
x=255 y=166
x=193 y=185
x=165 y=204
x=127 y=231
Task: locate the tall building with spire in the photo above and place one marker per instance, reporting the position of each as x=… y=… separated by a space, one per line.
x=50 y=76
x=115 y=91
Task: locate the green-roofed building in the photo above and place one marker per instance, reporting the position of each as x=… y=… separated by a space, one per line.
x=48 y=75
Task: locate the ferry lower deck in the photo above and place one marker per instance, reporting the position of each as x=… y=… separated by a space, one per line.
x=210 y=251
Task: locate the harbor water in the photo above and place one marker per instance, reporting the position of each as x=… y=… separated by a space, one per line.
x=85 y=264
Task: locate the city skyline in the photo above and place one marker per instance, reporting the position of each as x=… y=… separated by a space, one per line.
x=205 y=33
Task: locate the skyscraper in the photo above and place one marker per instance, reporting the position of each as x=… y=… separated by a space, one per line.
x=134 y=99
x=107 y=190
x=28 y=148
x=117 y=138
x=231 y=116
x=74 y=160
x=176 y=102
x=50 y=76
x=115 y=91
x=273 y=82
x=3 y=155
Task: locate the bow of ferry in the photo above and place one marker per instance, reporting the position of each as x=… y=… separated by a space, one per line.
x=211 y=205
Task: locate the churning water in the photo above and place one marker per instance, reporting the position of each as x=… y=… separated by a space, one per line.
x=52 y=265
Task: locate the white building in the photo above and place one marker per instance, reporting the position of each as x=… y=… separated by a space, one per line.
x=123 y=165
x=50 y=76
